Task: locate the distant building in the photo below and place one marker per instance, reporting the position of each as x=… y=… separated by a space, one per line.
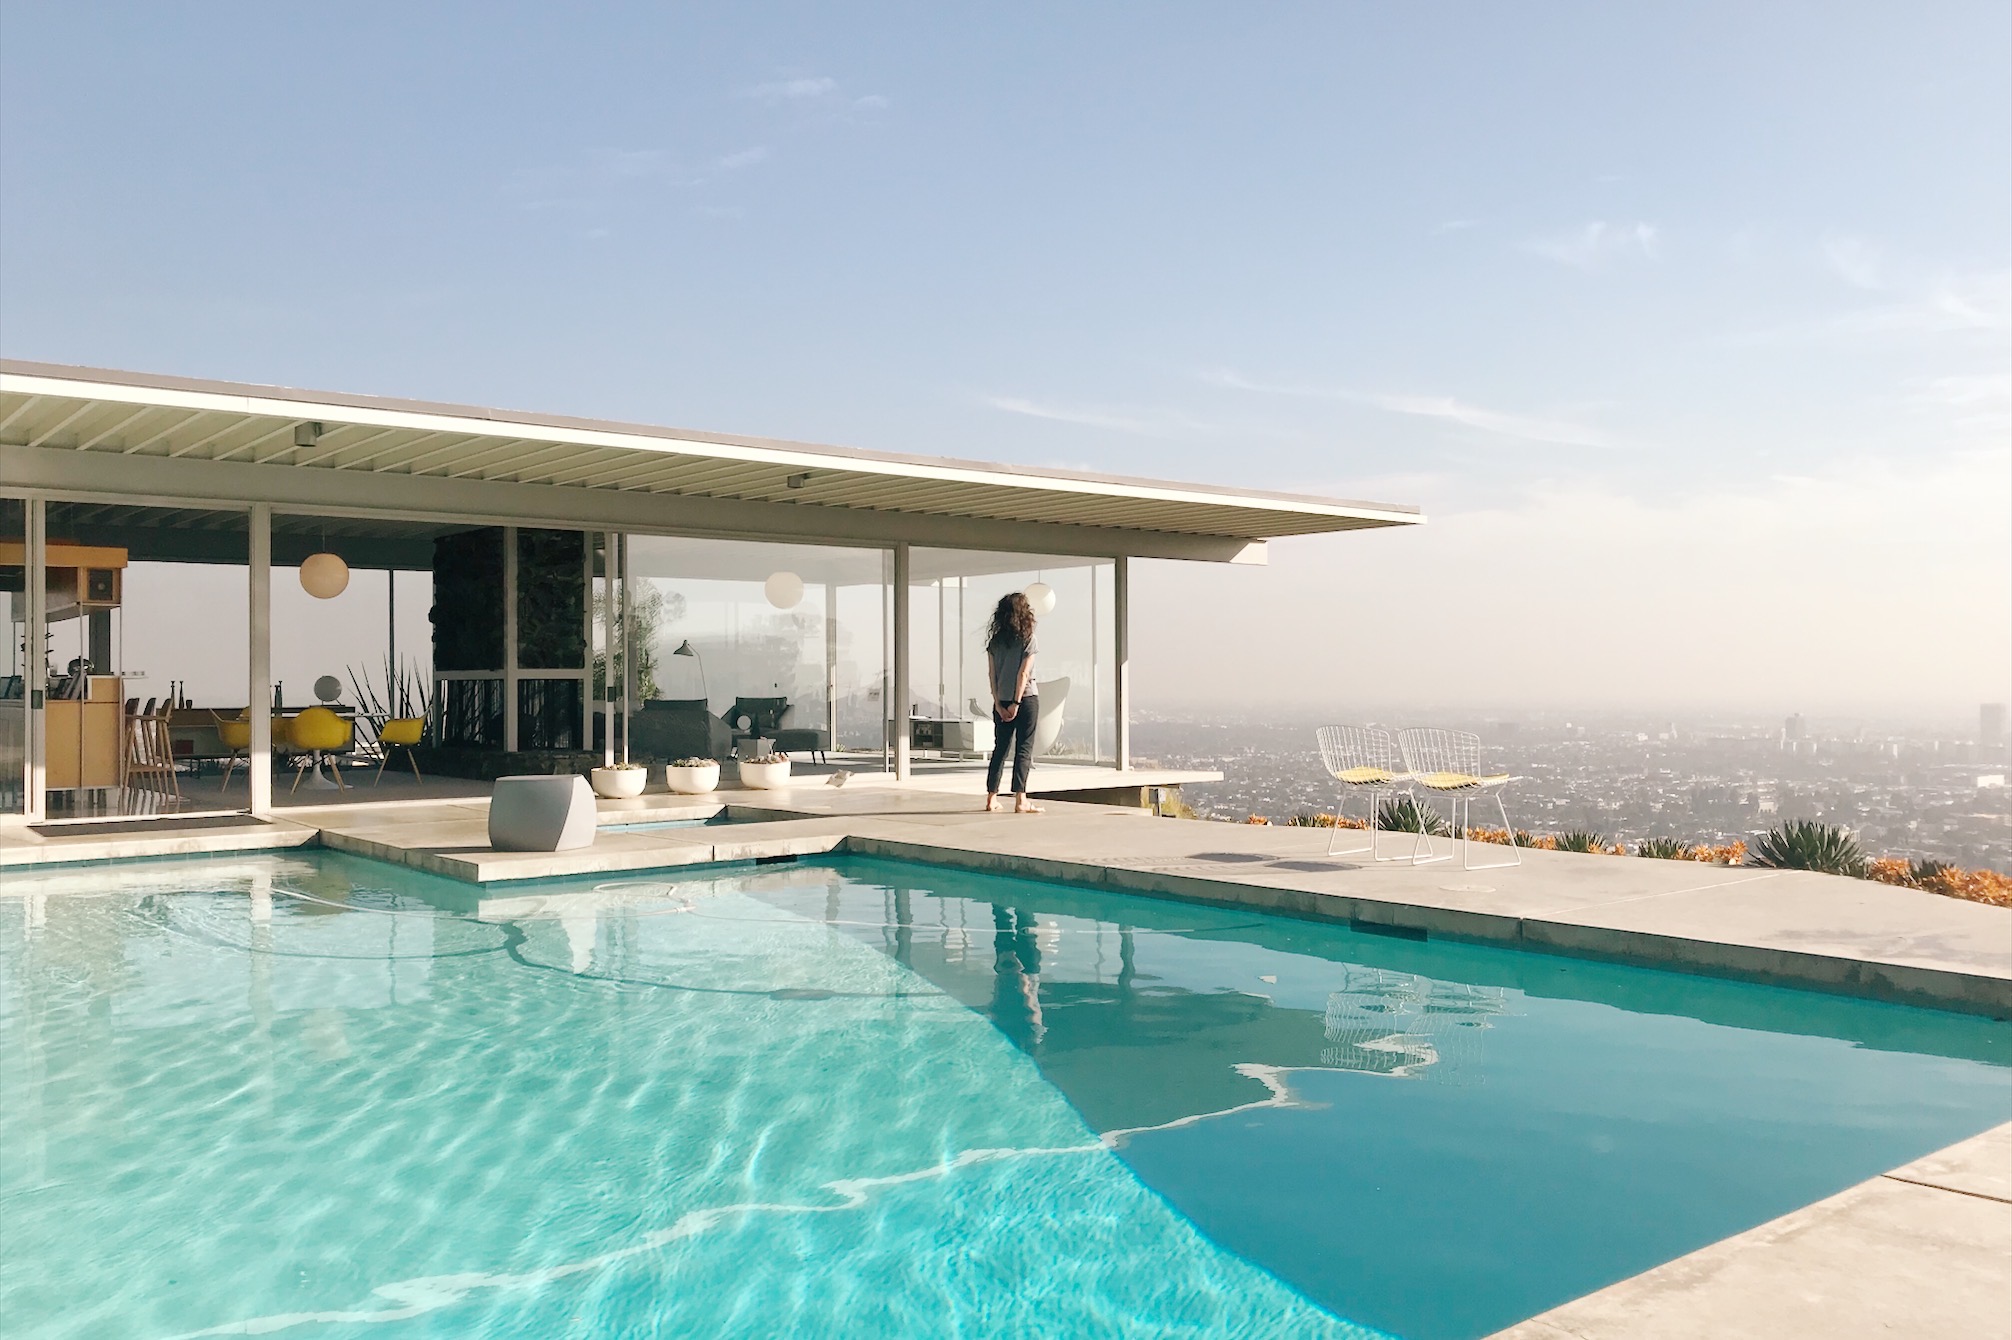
x=1990 y=730
x=1793 y=732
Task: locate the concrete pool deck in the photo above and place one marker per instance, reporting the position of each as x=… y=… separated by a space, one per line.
x=1923 y=1250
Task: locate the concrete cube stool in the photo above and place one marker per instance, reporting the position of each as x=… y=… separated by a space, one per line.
x=541 y=814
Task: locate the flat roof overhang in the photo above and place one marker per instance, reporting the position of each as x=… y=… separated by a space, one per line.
x=105 y=433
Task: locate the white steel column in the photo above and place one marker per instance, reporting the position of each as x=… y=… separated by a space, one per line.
x=35 y=658
x=831 y=663
x=1121 y=619
x=509 y=639
x=258 y=769
x=901 y=704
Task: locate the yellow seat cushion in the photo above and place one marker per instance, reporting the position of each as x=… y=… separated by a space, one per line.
x=1456 y=781
x=403 y=730
x=319 y=728
x=1364 y=776
x=234 y=734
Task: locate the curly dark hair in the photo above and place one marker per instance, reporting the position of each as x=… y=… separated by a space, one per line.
x=1012 y=621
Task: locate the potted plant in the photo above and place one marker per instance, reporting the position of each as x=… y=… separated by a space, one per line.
x=765 y=771
x=618 y=781
x=692 y=776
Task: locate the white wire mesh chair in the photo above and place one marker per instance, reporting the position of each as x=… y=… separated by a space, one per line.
x=1363 y=760
x=1447 y=763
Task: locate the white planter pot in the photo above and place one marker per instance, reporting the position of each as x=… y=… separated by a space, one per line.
x=692 y=781
x=764 y=776
x=618 y=783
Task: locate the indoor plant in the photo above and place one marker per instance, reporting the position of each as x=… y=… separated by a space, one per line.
x=764 y=771
x=692 y=776
x=618 y=781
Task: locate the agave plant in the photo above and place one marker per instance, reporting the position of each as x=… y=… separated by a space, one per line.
x=1307 y=819
x=1925 y=872
x=1665 y=849
x=1581 y=840
x=1402 y=814
x=1804 y=844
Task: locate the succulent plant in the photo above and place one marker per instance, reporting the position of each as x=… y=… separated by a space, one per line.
x=1804 y=844
x=1665 y=849
x=1581 y=840
x=1402 y=814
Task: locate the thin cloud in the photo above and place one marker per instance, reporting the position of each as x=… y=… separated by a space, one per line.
x=1976 y=303
x=1500 y=423
x=1087 y=418
x=628 y=163
x=1455 y=226
x=782 y=90
x=744 y=158
x=872 y=102
x=1598 y=244
x=1854 y=260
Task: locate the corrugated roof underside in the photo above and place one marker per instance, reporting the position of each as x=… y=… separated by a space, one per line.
x=123 y=428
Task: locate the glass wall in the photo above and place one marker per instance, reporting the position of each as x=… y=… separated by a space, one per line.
x=148 y=643
x=734 y=643
x=951 y=598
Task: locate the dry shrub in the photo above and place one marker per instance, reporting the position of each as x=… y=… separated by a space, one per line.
x=1976 y=886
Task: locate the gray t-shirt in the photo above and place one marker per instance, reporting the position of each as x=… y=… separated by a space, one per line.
x=1007 y=654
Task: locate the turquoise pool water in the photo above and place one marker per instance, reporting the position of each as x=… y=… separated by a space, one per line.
x=317 y=1096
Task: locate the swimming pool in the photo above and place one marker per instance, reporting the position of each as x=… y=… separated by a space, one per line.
x=323 y=1096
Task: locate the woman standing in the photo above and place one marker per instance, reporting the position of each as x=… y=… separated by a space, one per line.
x=1016 y=707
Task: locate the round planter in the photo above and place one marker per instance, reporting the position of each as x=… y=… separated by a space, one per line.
x=692 y=781
x=764 y=776
x=618 y=783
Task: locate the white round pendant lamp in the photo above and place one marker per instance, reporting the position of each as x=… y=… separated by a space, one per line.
x=784 y=590
x=1041 y=596
x=324 y=576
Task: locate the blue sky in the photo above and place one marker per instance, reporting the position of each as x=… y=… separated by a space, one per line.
x=1672 y=316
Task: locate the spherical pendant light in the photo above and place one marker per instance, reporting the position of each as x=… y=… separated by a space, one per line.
x=784 y=590
x=324 y=576
x=1041 y=596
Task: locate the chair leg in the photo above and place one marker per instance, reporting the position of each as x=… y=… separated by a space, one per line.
x=1515 y=856
x=1425 y=839
x=383 y=759
x=413 y=759
x=297 y=772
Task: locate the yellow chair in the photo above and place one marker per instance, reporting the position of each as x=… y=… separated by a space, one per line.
x=399 y=733
x=236 y=737
x=318 y=733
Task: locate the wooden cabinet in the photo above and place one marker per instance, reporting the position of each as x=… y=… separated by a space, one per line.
x=86 y=737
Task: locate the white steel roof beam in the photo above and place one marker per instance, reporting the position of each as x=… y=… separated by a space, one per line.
x=117 y=427
x=65 y=422
x=26 y=405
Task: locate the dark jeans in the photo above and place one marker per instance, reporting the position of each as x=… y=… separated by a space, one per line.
x=1017 y=735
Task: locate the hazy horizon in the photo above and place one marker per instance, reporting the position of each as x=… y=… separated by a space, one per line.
x=1689 y=326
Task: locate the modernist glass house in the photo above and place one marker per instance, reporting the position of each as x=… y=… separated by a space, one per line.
x=185 y=565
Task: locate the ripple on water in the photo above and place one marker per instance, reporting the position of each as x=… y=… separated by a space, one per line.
x=378 y=1118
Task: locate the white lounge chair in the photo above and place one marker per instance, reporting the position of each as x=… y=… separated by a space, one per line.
x=1447 y=763
x=1362 y=760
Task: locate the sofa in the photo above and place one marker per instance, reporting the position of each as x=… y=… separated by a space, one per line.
x=674 y=728
x=765 y=718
